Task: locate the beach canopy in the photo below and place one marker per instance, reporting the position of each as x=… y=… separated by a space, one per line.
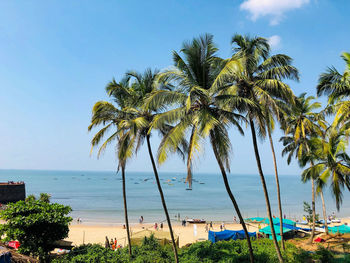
x=228 y=235
x=267 y=230
x=264 y=220
x=162 y=236
x=343 y=229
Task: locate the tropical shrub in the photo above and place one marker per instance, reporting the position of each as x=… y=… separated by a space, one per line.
x=36 y=224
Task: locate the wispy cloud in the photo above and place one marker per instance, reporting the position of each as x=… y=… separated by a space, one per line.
x=274 y=41
x=273 y=8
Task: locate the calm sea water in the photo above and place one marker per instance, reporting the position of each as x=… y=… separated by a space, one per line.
x=96 y=197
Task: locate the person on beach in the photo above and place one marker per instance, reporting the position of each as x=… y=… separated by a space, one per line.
x=111 y=244
x=155 y=226
x=124 y=226
x=141 y=219
x=221 y=227
x=106 y=243
x=161 y=226
x=115 y=242
x=211 y=225
x=235 y=219
x=206 y=228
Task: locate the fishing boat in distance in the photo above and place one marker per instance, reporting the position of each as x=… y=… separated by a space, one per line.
x=196 y=221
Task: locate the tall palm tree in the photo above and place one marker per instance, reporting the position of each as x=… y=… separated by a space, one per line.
x=333 y=163
x=106 y=114
x=137 y=124
x=337 y=87
x=303 y=124
x=317 y=152
x=259 y=81
x=198 y=109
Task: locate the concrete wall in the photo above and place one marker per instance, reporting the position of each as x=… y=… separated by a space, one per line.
x=12 y=193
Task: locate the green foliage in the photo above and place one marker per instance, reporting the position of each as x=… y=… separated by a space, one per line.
x=323 y=255
x=224 y=251
x=94 y=253
x=308 y=211
x=30 y=198
x=44 y=197
x=36 y=224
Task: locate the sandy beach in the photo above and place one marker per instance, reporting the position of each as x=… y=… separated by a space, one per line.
x=80 y=233
x=84 y=233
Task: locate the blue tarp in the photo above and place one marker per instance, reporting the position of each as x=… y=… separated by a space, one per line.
x=228 y=235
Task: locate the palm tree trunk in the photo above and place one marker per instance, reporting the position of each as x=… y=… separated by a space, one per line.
x=324 y=212
x=189 y=165
x=278 y=186
x=229 y=192
x=313 y=211
x=162 y=198
x=268 y=207
x=126 y=209
x=313 y=204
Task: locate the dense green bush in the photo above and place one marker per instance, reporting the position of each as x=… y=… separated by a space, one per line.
x=36 y=224
x=205 y=252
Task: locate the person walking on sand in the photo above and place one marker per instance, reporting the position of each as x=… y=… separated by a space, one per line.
x=155 y=226
x=211 y=225
x=206 y=228
x=161 y=226
x=107 y=243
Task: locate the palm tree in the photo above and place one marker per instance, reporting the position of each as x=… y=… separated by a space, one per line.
x=303 y=124
x=106 y=114
x=197 y=108
x=333 y=163
x=259 y=81
x=137 y=124
x=337 y=87
x=316 y=146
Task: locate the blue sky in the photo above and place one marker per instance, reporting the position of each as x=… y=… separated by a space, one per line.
x=57 y=56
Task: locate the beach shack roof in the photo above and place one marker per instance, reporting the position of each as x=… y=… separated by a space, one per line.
x=343 y=229
x=267 y=230
x=264 y=220
x=162 y=236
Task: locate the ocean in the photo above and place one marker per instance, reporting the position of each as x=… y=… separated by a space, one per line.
x=96 y=197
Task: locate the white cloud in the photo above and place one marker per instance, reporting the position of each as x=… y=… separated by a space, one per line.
x=274 y=41
x=273 y=8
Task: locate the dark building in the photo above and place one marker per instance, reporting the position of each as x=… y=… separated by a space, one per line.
x=12 y=192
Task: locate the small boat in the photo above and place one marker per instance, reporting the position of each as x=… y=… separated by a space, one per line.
x=336 y=221
x=322 y=222
x=195 y=221
x=303 y=223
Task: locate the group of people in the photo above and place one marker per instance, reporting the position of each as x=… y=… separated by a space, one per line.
x=156 y=226
x=112 y=244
